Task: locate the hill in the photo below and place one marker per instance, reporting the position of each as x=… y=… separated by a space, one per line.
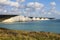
x=3 y=17
x=7 y=34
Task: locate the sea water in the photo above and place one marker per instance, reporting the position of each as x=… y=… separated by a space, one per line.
x=45 y=25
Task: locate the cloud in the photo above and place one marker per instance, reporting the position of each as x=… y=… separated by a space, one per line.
x=7 y=2
x=35 y=8
x=35 y=5
x=20 y=0
x=53 y=4
x=13 y=7
x=5 y=11
x=53 y=8
x=30 y=9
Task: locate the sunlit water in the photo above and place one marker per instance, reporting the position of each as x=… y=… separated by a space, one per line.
x=47 y=26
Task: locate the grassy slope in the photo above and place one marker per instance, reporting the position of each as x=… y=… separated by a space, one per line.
x=3 y=17
x=6 y=34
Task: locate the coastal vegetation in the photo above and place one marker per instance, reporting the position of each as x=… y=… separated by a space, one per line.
x=3 y=17
x=7 y=34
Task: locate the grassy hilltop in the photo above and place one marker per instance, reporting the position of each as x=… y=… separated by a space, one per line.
x=6 y=34
x=3 y=17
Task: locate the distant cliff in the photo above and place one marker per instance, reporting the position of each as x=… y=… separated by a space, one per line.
x=3 y=17
x=15 y=18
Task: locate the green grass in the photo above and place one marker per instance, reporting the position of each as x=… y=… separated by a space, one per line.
x=6 y=34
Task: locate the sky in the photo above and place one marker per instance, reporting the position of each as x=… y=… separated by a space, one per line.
x=33 y=8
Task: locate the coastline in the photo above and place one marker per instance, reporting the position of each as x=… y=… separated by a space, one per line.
x=15 y=18
x=7 y=34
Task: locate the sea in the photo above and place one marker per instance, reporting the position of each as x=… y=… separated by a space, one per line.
x=42 y=25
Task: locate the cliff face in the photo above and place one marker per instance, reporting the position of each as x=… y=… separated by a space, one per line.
x=17 y=19
x=23 y=19
x=3 y=17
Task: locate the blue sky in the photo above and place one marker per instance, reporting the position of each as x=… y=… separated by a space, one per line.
x=47 y=8
x=47 y=3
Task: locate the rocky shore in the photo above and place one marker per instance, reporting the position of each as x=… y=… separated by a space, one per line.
x=7 y=34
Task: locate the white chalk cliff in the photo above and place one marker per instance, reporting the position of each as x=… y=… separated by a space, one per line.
x=22 y=19
x=17 y=18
